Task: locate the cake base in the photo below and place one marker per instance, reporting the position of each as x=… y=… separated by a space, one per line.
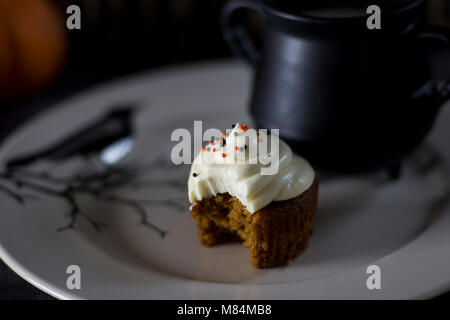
x=275 y=234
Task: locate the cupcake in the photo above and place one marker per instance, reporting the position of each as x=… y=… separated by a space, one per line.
x=250 y=187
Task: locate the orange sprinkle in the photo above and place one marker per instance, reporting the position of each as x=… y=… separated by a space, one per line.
x=210 y=142
x=245 y=128
x=203 y=148
x=223 y=155
x=214 y=150
x=220 y=140
x=240 y=127
x=235 y=148
x=257 y=133
x=224 y=134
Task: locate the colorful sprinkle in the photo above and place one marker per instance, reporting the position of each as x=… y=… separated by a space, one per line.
x=223 y=155
x=203 y=148
x=224 y=134
x=214 y=150
x=236 y=134
x=194 y=174
x=236 y=148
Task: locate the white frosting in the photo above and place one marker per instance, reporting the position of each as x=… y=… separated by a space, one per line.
x=236 y=173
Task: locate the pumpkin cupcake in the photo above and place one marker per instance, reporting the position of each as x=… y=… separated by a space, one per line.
x=240 y=192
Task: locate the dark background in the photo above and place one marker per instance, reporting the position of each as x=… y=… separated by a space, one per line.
x=119 y=37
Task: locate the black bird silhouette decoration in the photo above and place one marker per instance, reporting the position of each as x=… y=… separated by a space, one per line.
x=111 y=138
x=89 y=140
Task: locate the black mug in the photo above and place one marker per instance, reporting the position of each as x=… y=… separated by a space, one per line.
x=348 y=98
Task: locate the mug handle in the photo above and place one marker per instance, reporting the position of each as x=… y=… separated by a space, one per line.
x=235 y=34
x=438 y=37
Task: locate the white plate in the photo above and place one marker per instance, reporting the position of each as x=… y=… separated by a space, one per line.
x=401 y=226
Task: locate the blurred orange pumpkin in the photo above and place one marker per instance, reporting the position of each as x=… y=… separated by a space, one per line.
x=33 y=46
